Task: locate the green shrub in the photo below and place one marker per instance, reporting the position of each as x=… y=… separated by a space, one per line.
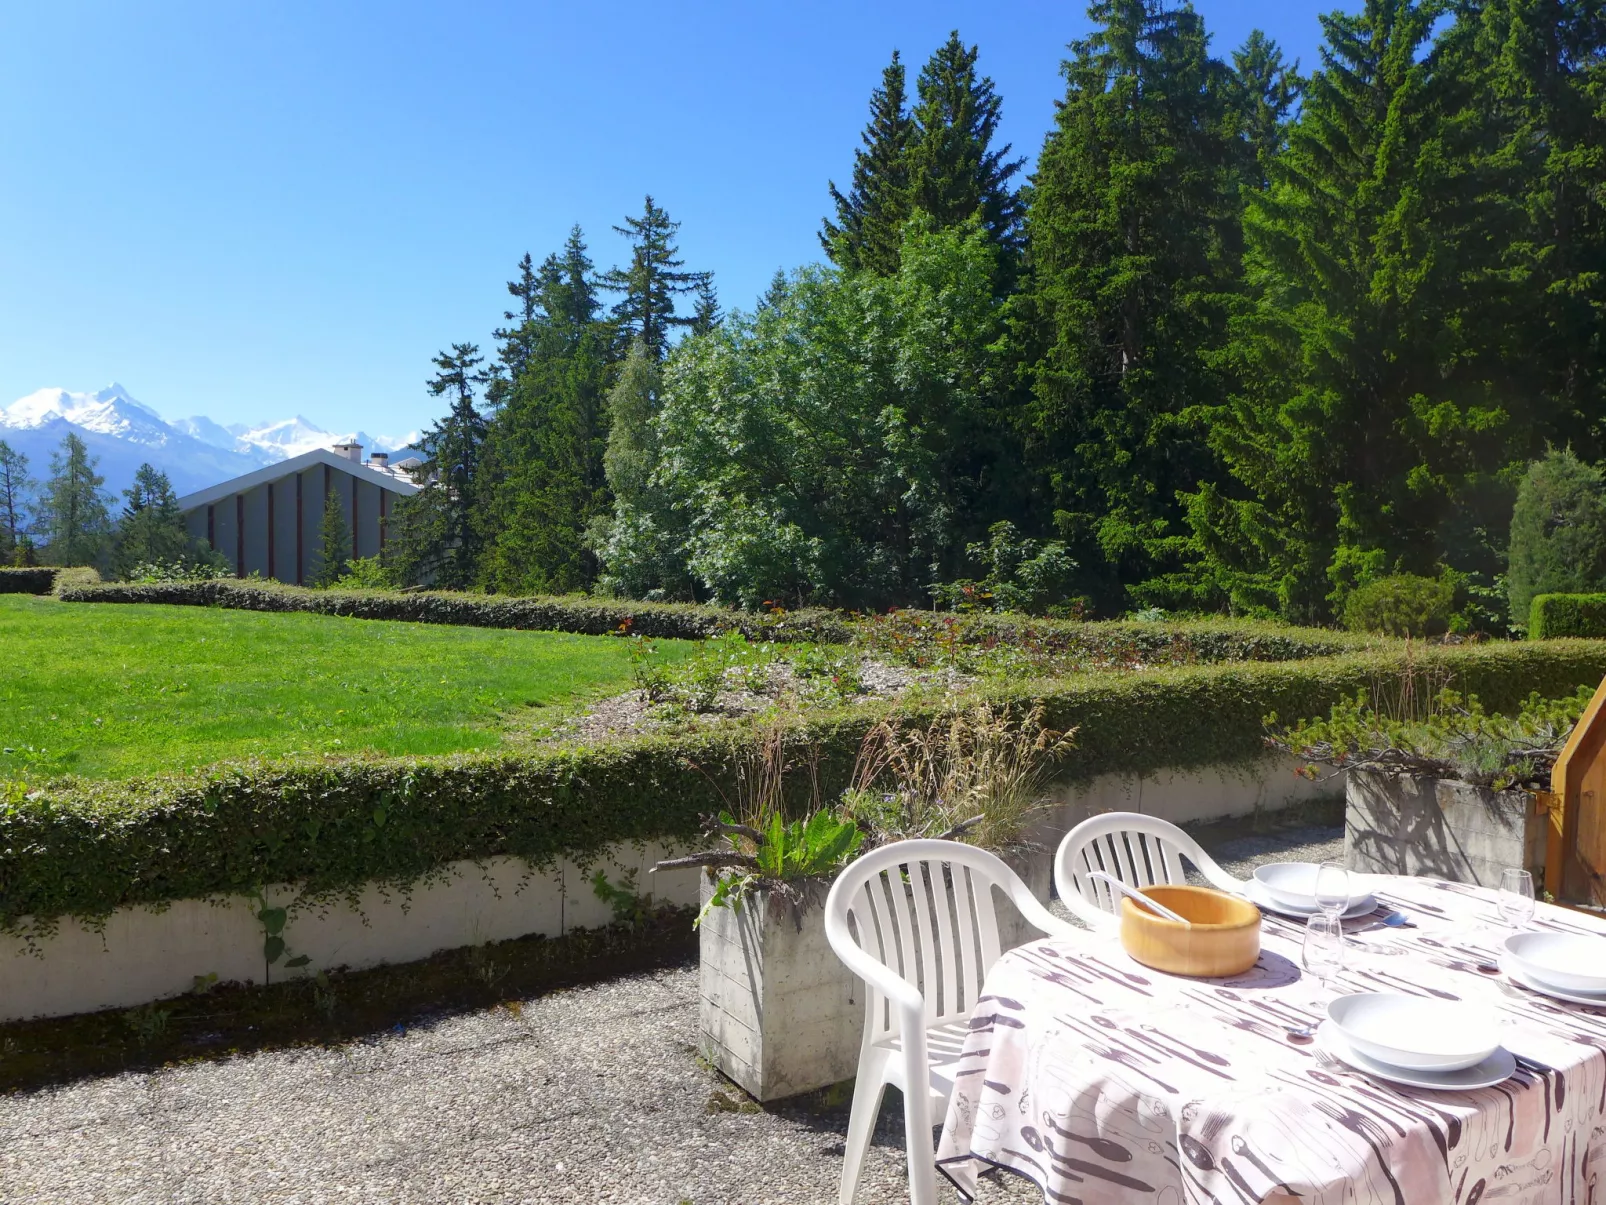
x=86 y=848
x=365 y=573
x=78 y=577
x=1402 y=605
x=27 y=581
x=1555 y=615
x=1558 y=532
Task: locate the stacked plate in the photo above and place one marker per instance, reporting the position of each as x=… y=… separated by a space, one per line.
x=1289 y=889
x=1422 y=1043
x=1568 y=966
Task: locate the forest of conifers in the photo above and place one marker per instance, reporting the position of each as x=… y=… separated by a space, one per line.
x=1252 y=334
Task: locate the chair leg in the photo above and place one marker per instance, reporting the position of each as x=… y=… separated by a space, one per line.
x=868 y=1090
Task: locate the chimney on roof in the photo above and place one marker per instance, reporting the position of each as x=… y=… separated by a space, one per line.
x=352 y=452
x=379 y=460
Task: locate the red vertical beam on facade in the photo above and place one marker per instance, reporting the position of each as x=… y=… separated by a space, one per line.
x=301 y=533
x=271 y=526
x=239 y=535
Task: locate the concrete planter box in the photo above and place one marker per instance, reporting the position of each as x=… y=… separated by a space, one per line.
x=780 y=1013
x=1440 y=828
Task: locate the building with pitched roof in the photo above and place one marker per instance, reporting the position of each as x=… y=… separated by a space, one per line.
x=268 y=521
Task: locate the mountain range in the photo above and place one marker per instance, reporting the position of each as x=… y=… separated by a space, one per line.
x=124 y=433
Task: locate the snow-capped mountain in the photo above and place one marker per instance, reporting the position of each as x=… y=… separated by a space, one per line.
x=125 y=433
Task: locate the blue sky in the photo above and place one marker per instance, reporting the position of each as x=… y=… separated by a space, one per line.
x=248 y=211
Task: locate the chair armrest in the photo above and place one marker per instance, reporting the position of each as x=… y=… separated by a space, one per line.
x=876 y=974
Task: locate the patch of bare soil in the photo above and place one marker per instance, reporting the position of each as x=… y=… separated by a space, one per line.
x=633 y=714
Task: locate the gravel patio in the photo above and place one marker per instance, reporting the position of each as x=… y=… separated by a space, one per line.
x=589 y=1094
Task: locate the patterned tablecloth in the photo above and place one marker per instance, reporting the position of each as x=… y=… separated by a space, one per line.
x=1104 y=1081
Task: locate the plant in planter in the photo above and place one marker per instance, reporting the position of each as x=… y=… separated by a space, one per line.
x=781 y=1015
x=1446 y=789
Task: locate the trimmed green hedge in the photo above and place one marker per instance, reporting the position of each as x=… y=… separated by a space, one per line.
x=1200 y=640
x=1582 y=615
x=587 y=616
x=88 y=848
x=27 y=581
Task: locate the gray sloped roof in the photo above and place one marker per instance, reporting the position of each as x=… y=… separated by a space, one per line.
x=396 y=481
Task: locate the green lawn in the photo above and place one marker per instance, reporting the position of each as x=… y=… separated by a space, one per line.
x=120 y=691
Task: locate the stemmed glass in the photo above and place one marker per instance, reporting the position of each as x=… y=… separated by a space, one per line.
x=1332 y=889
x=1322 y=956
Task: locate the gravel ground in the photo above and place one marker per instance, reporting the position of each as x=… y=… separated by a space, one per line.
x=591 y=1094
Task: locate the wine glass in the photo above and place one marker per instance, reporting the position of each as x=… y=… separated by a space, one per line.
x=1322 y=956
x=1332 y=888
x=1516 y=901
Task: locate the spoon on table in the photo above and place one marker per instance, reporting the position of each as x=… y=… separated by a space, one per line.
x=1157 y=909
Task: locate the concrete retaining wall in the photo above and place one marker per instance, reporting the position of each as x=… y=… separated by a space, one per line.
x=1440 y=828
x=146 y=954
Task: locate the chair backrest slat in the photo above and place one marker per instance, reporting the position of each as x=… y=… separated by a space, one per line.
x=921 y=894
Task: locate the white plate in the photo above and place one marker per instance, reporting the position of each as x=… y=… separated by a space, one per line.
x=1495 y=1069
x=1573 y=962
x=1258 y=896
x=1293 y=885
x=1514 y=971
x=1413 y=1033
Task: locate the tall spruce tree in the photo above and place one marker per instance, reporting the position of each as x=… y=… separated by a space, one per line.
x=955 y=172
x=150 y=531
x=331 y=557
x=439 y=529
x=1263 y=88
x=16 y=490
x=514 y=342
x=1532 y=120
x=1135 y=244
x=1364 y=438
x=544 y=449
x=706 y=314
x=868 y=231
x=72 y=512
x=655 y=277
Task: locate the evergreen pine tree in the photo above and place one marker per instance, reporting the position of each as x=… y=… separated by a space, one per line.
x=655 y=277
x=706 y=315
x=1264 y=88
x=868 y=230
x=514 y=343
x=15 y=490
x=1364 y=438
x=544 y=449
x=1135 y=246
x=332 y=556
x=954 y=171
x=1532 y=120
x=439 y=529
x=72 y=512
x=151 y=529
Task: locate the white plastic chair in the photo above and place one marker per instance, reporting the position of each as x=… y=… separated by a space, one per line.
x=1139 y=850
x=915 y=921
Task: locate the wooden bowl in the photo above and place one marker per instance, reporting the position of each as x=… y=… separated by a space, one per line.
x=1224 y=938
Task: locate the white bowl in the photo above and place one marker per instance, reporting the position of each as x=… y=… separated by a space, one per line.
x=1415 y=1033
x=1574 y=962
x=1293 y=884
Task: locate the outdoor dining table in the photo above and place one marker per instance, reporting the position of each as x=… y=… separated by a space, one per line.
x=1104 y=1081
